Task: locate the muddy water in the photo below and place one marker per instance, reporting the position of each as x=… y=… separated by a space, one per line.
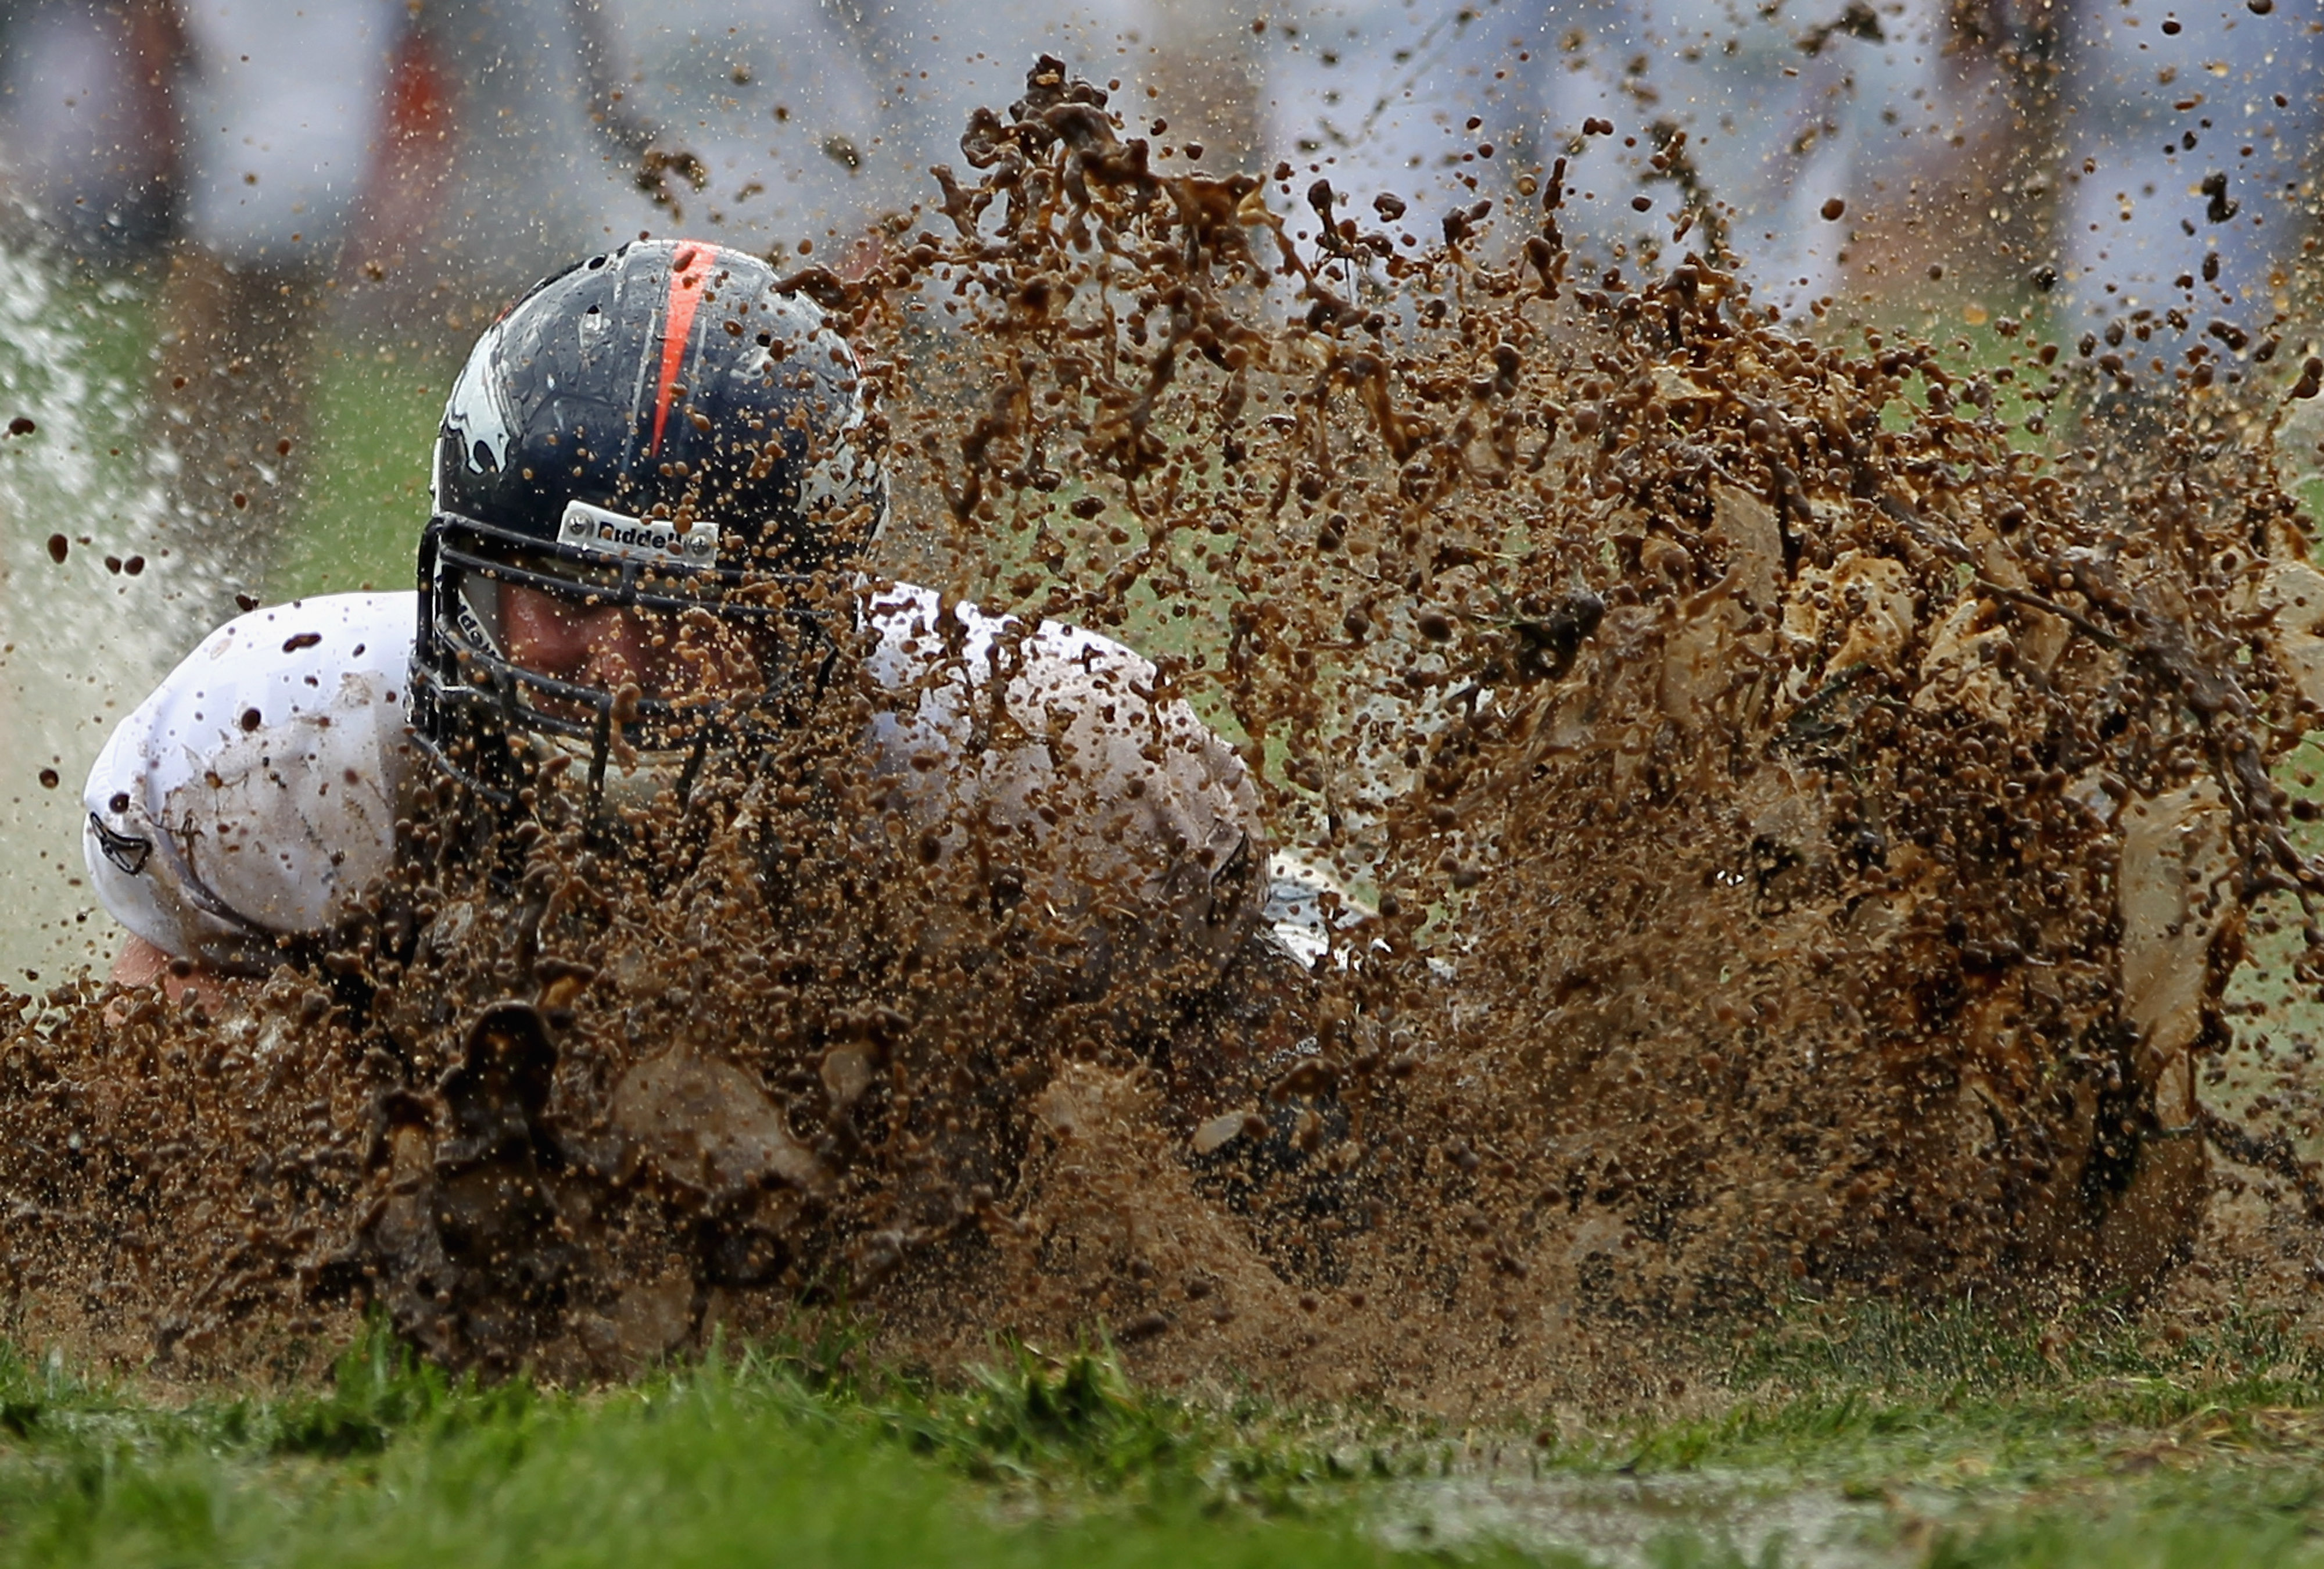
x=1795 y=808
x=1636 y=1520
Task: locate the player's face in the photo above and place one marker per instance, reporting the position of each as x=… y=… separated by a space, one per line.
x=673 y=656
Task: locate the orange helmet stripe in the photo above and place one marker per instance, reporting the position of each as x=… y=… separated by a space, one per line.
x=689 y=269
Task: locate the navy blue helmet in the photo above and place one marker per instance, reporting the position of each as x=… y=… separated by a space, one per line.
x=661 y=435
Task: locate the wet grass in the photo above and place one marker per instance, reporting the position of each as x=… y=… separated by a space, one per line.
x=772 y=1454
x=1909 y=1437
x=2083 y=1439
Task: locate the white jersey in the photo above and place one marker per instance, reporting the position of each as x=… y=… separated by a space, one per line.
x=251 y=800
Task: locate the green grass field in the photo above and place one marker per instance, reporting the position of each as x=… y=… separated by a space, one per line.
x=1845 y=1437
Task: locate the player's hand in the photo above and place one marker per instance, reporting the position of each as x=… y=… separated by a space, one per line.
x=141 y=964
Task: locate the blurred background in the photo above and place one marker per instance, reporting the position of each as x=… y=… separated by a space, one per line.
x=243 y=242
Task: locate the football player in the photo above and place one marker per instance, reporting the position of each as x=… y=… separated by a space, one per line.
x=654 y=483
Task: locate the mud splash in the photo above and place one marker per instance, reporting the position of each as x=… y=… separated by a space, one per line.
x=1796 y=810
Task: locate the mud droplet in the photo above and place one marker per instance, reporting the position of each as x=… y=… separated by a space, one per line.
x=1222 y=1129
x=1144 y=1327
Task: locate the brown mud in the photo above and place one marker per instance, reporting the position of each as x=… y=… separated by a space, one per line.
x=1812 y=799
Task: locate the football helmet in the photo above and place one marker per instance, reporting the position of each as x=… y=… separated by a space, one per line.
x=647 y=473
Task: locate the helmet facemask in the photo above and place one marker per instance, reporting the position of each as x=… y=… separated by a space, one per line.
x=678 y=659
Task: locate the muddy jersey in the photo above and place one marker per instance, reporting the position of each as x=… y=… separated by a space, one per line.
x=252 y=799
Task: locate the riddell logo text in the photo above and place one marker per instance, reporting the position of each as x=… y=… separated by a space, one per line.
x=613 y=533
